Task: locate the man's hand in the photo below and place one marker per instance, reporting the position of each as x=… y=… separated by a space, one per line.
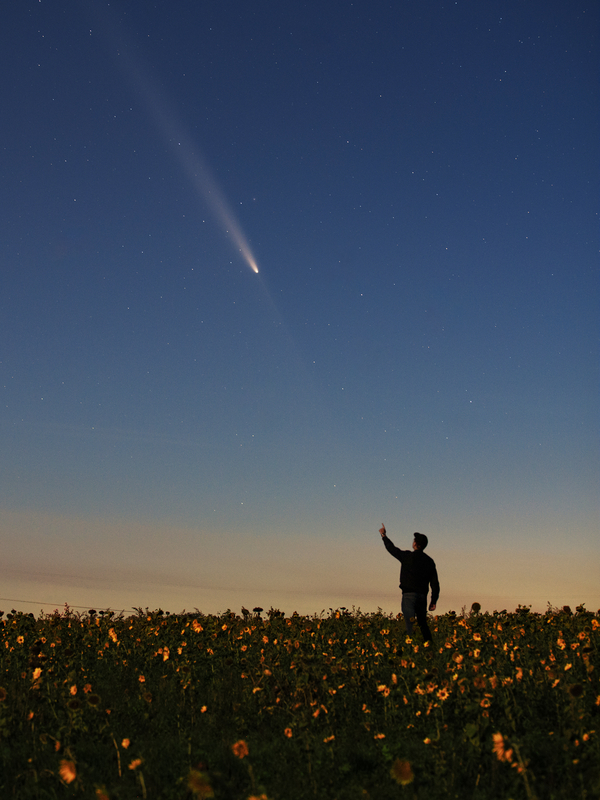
x=432 y=606
x=382 y=530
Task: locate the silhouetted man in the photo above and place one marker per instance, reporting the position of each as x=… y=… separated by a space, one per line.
x=416 y=574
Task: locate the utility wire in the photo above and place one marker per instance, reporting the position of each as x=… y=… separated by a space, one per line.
x=57 y=605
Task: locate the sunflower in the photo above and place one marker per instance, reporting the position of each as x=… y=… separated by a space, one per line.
x=401 y=772
x=199 y=785
x=67 y=770
x=499 y=748
x=240 y=749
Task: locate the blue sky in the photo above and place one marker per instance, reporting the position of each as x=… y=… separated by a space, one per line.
x=418 y=188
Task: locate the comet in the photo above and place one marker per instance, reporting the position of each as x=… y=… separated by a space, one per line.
x=185 y=150
x=198 y=172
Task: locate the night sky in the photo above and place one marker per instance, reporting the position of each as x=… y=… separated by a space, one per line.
x=417 y=185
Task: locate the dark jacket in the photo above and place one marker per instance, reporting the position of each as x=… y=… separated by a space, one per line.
x=417 y=570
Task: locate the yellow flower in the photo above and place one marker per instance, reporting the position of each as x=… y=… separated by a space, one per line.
x=499 y=749
x=379 y=736
x=73 y=690
x=20 y=639
x=477 y=637
x=196 y=626
x=67 y=771
x=401 y=772
x=329 y=739
x=135 y=763
x=427 y=740
x=125 y=744
x=443 y=694
x=199 y=784
x=240 y=749
x=113 y=635
x=288 y=732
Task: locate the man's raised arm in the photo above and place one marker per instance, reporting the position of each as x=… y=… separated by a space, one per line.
x=389 y=545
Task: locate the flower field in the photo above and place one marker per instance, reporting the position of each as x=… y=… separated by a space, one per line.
x=258 y=705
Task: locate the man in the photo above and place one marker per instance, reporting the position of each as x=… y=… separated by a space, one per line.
x=416 y=574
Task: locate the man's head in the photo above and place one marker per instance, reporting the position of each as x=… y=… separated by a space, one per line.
x=420 y=542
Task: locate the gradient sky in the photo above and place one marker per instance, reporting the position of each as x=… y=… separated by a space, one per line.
x=418 y=185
